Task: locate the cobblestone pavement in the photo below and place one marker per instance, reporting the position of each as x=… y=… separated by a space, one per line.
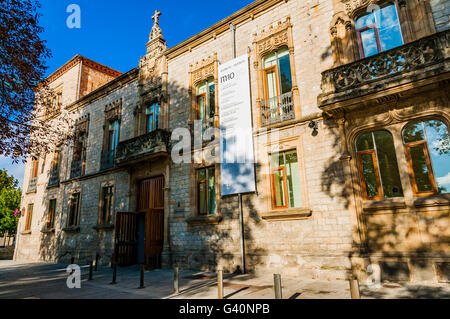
x=48 y=281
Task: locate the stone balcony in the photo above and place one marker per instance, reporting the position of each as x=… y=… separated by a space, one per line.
x=277 y=109
x=143 y=147
x=423 y=61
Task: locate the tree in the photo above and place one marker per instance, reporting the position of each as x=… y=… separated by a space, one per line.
x=25 y=127
x=10 y=196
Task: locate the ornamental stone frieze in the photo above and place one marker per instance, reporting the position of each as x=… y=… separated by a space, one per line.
x=204 y=69
x=113 y=110
x=273 y=37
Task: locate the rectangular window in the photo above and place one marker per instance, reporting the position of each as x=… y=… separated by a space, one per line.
x=206 y=191
x=56 y=160
x=113 y=135
x=106 y=205
x=152 y=117
x=285 y=180
x=277 y=74
x=29 y=217
x=74 y=210
x=51 y=214
x=205 y=103
x=35 y=168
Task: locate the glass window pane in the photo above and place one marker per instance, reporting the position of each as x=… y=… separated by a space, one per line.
x=439 y=149
x=270 y=60
x=211 y=192
x=364 y=142
x=201 y=107
x=293 y=179
x=155 y=126
x=389 y=27
x=285 y=73
x=271 y=83
x=413 y=133
x=387 y=163
x=369 y=175
x=365 y=21
x=202 y=198
x=420 y=168
x=201 y=174
x=212 y=100
x=149 y=123
x=278 y=181
x=369 y=42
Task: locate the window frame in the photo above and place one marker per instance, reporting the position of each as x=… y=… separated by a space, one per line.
x=155 y=124
x=29 y=218
x=76 y=213
x=51 y=214
x=35 y=168
x=360 y=154
x=274 y=199
x=430 y=173
x=206 y=182
x=266 y=84
x=359 y=37
x=101 y=217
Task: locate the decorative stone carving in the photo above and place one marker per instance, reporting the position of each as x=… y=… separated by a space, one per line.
x=82 y=124
x=403 y=59
x=272 y=38
x=204 y=69
x=113 y=110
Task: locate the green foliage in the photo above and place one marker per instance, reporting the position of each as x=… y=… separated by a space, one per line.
x=10 y=196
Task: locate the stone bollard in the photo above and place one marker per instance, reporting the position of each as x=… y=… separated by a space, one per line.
x=277 y=286
x=354 y=287
x=220 y=282
x=90 y=270
x=141 y=279
x=114 y=274
x=97 y=257
x=176 y=277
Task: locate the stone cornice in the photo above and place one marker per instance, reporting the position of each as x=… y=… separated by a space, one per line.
x=249 y=12
x=75 y=61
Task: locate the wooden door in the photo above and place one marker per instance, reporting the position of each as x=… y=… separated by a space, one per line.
x=151 y=202
x=126 y=241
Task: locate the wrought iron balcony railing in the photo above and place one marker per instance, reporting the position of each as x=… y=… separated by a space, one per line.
x=76 y=169
x=32 y=185
x=143 y=146
x=277 y=109
x=372 y=73
x=107 y=160
x=53 y=180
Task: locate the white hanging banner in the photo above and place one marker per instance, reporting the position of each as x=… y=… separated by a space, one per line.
x=237 y=174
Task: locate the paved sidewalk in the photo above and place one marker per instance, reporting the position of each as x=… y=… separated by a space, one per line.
x=46 y=281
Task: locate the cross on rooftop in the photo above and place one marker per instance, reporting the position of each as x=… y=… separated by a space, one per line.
x=156 y=16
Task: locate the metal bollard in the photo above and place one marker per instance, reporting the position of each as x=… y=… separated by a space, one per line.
x=97 y=257
x=277 y=286
x=220 y=283
x=176 y=278
x=114 y=274
x=90 y=270
x=72 y=260
x=141 y=281
x=354 y=288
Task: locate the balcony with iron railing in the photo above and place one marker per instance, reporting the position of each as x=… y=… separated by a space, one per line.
x=143 y=147
x=412 y=62
x=107 y=160
x=277 y=109
x=53 y=179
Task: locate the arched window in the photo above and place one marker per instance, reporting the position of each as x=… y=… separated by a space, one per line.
x=427 y=148
x=378 y=31
x=378 y=167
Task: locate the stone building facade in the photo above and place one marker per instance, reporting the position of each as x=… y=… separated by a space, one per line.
x=329 y=83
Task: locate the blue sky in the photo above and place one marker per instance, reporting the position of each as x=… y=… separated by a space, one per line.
x=115 y=32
